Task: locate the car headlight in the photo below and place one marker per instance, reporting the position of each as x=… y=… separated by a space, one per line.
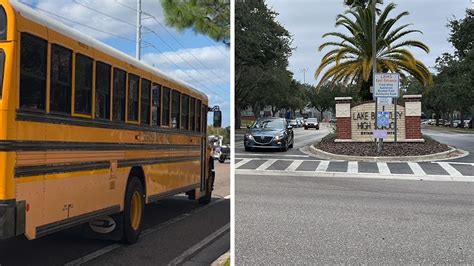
x=279 y=137
x=248 y=136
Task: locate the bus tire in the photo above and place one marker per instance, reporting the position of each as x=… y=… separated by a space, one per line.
x=133 y=210
x=209 y=187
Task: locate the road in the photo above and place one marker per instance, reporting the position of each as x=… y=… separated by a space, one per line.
x=295 y=209
x=175 y=230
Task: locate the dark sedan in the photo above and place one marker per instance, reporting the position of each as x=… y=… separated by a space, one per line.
x=269 y=133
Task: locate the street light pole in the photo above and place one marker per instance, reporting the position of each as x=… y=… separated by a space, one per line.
x=138 y=37
x=374 y=64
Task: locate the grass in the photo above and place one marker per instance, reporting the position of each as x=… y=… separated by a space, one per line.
x=227 y=262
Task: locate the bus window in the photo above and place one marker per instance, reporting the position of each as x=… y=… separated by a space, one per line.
x=145 y=102
x=175 y=108
x=3 y=24
x=165 y=116
x=119 y=95
x=192 y=116
x=133 y=85
x=2 y=68
x=102 y=90
x=61 y=79
x=33 y=72
x=156 y=105
x=204 y=119
x=198 y=116
x=185 y=112
x=83 y=88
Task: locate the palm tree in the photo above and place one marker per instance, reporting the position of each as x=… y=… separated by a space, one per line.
x=351 y=58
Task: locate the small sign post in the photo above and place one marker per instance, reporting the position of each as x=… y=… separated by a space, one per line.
x=386 y=86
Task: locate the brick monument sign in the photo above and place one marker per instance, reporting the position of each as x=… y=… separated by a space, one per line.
x=356 y=122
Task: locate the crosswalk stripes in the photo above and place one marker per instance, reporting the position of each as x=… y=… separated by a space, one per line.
x=352 y=167
x=445 y=170
x=416 y=168
x=322 y=166
x=383 y=168
x=451 y=170
x=294 y=165
x=244 y=161
x=266 y=164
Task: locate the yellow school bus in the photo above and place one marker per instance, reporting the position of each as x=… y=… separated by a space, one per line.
x=89 y=134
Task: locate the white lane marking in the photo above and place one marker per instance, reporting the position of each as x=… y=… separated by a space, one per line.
x=322 y=166
x=451 y=170
x=358 y=175
x=295 y=164
x=352 y=167
x=462 y=163
x=383 y=168
x=192 y=250
x=239 y=164
x=266 y=164
x=272 y=155
x=416 y=169
x=144 y=233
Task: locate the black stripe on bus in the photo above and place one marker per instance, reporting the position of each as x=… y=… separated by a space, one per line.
x=73 y=221
x=59 y=168
x=25 y=171
x=138 y=162
x=27 y=145
x=24 y=115
x=166 y=194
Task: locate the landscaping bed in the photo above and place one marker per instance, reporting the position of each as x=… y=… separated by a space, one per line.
x=430 y=146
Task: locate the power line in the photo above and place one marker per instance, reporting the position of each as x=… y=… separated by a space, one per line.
x=156 y=19
x=159 y=37
x=117 y=36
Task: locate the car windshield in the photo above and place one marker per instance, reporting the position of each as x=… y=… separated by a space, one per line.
x=312 y=120
x=269 y=124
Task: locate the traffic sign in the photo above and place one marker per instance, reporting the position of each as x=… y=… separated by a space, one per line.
x=384 y=101
x=383 y=119
x=380 y=134
x=387 y=85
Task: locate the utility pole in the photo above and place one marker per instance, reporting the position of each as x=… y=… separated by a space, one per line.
x=304 y=73
x=138 y=38
x=374 y=66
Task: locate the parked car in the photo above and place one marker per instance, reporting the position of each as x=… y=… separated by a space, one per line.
x=425 y=121
x=447 y=123
x=224 y=153
x=432 y=122
x=270 y=132
x=311 y=123
x=456 y=123
x=293 y=123
x=300 y=121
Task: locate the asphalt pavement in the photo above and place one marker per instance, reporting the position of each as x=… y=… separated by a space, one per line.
x=295 y=209
x=175 y=229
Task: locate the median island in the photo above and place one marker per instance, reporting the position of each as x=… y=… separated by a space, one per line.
x=429 y=146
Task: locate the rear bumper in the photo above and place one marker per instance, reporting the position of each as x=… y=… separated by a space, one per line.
x=311 y=126
x=12 y=218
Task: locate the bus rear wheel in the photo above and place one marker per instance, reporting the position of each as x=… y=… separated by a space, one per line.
x=133 y=210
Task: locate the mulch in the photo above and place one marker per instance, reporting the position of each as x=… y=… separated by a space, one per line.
x=430 y=146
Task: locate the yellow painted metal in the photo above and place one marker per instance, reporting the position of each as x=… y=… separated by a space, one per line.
x=136 y=210
x=54 y=197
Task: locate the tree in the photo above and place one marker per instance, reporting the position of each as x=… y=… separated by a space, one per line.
x=262 y=48
x=322 y=98
x=350 y=60
x=211 y=18
x=462 y=33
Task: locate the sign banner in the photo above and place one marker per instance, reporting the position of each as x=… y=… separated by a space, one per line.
x=384 y=101
x=380 y=134
x=387 y=85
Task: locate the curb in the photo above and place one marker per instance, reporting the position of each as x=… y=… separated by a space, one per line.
x=222 y=259
x=450 y=154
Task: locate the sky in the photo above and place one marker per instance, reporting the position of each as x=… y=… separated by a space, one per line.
x=191 y=57
x=308 y=20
